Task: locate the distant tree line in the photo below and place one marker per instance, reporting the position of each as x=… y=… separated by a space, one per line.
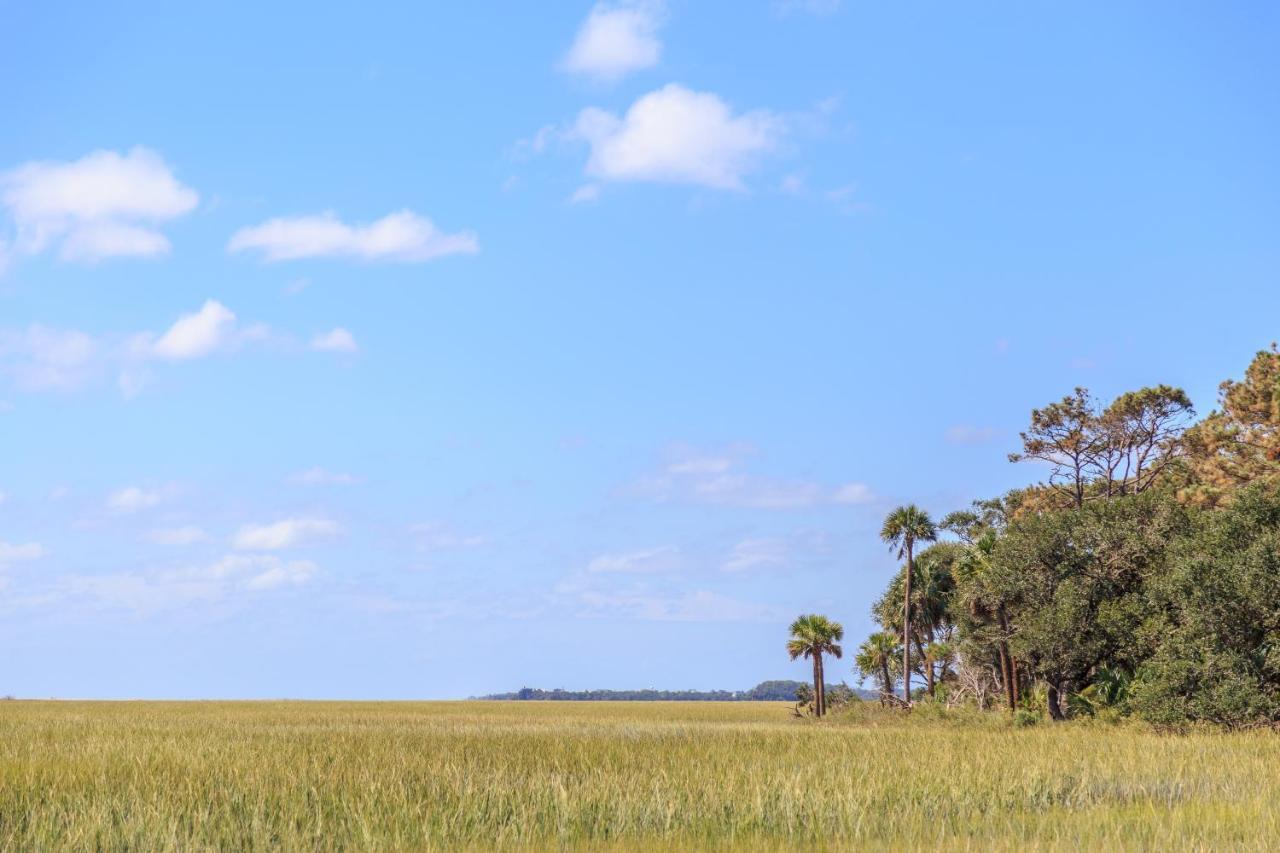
x=765 y=691
x=1140 y=577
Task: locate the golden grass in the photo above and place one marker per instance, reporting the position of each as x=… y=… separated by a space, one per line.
x=445 y=775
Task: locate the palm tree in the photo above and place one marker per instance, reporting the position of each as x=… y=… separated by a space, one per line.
x=875 y=656
x=934 y=589
x=978 y=592
x=902 y=529
x=812 y=636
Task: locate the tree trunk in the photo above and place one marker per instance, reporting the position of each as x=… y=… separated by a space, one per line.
x=888 y=683
x=822 y=688
x=1017 y=679
x=817 y=685
x=1008 y=669
x=1007 y=676
x=906 y=629
x=927 y=665
x=1054 y=697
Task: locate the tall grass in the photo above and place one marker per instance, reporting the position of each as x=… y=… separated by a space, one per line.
x=587 y=775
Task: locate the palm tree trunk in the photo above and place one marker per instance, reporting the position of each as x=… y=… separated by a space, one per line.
x=926 y=665
x=817 y=685
x=906 y=629
x=887 y=685
x=822 y=687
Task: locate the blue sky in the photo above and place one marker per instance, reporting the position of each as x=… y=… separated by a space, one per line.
x=429 y=350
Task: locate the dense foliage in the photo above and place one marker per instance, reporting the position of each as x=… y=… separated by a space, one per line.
x=1141 y=577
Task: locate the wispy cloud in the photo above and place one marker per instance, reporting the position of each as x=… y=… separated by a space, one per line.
x=318 y=476
x=757 y=554
x=149 y=592
x=337 y=340
x=283 y=534
x=662 y=559
x=720 y=477
x=131 y=499
x=403 y=236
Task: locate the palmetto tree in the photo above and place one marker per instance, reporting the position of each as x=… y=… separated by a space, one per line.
x=875 y=656
x=902 y=529
x=812 y=636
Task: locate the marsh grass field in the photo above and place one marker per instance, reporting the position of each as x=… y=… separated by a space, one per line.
x=448 y=775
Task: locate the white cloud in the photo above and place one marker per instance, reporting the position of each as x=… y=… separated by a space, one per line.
x=663 y=559
x=199 y=334
x=103 y=205
x=292 y=573
x=10 y=553
x=189 y=535
x=282 y=534
x=854 y=493
x=616 y=39
x=132 y=499
x=337 y=340
x=756 y=553
x=403 y=236
x=318 y=476
x=675 y=135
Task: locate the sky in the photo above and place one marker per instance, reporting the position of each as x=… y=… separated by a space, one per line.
x=410 y=350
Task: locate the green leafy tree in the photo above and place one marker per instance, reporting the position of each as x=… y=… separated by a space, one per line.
x=902 y=529
x=1215 y=620
x=813 y=636
x=1076 y=583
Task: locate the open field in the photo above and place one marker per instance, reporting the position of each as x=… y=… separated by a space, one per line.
x=441 y=775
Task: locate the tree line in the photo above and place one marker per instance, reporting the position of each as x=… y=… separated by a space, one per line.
x=765 y=691
x=1140 y=576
